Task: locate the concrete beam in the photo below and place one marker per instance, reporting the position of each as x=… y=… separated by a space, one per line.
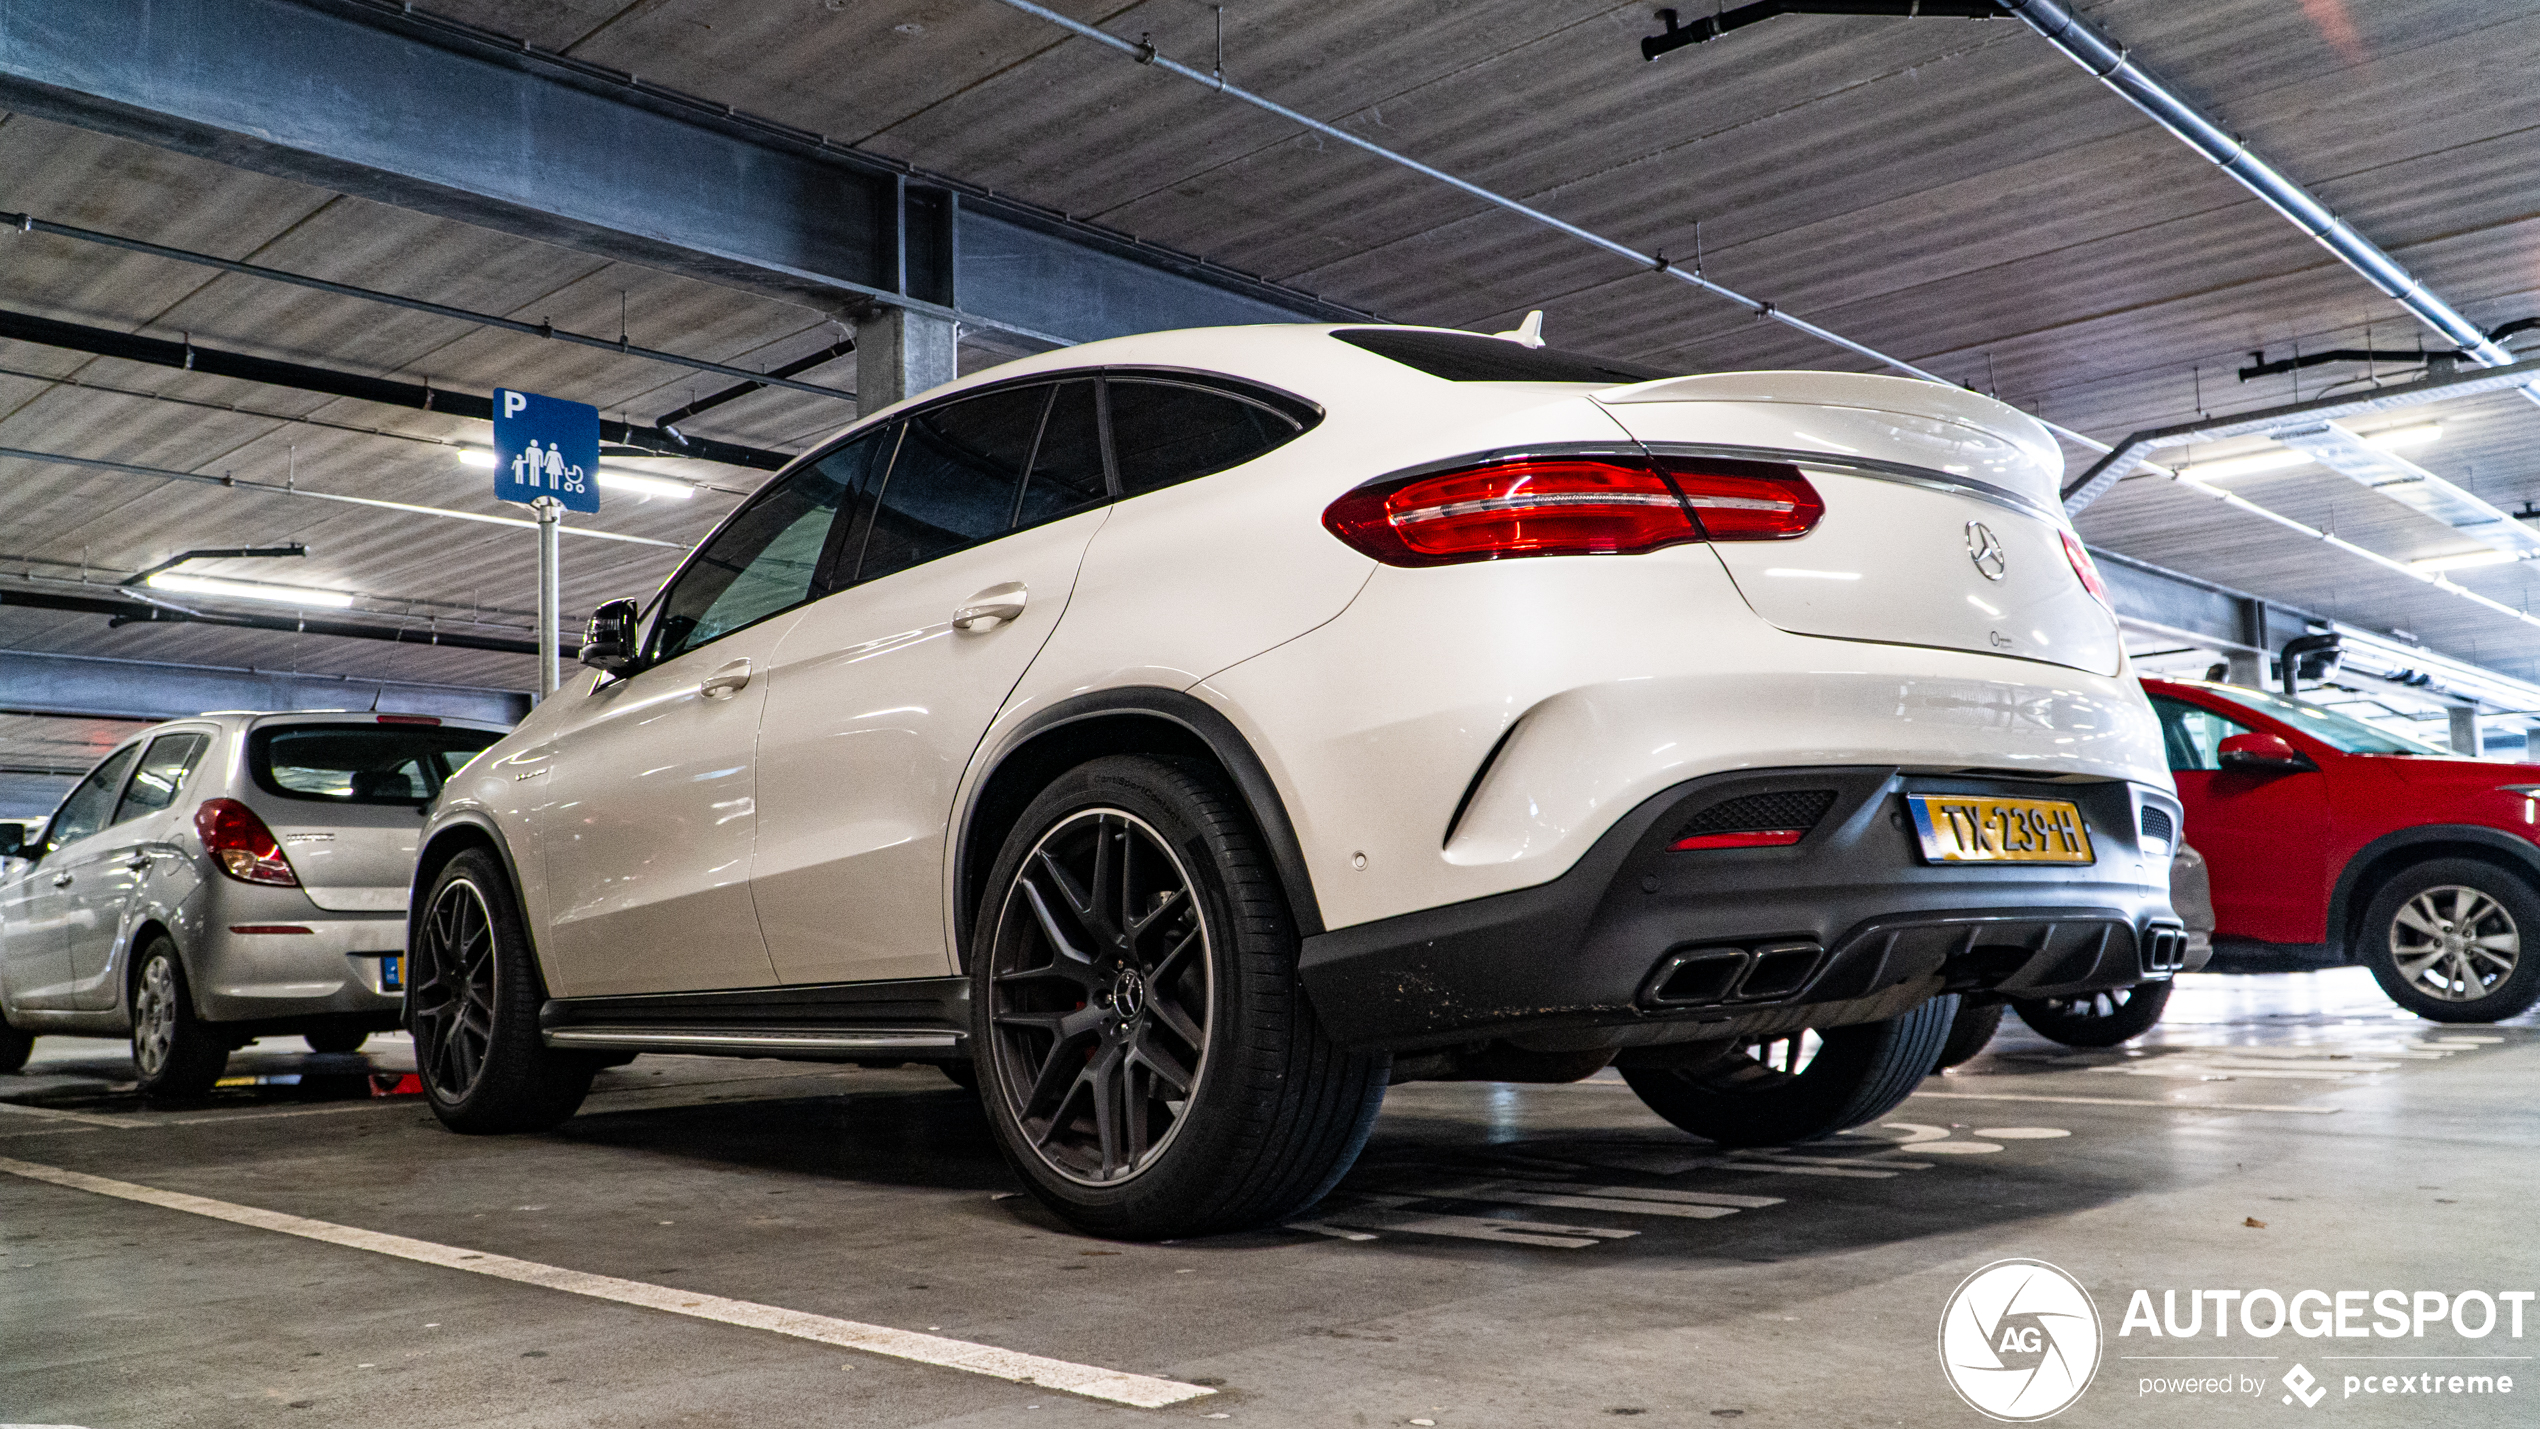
x=93 y=687
x=371 y=99
x=899 y=354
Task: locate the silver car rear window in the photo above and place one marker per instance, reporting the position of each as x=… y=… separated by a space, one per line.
x=361 y=763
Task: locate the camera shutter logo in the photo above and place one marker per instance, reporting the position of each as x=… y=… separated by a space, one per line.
x=2019 y=1341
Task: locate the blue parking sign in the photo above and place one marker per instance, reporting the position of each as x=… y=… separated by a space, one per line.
x=546 y=447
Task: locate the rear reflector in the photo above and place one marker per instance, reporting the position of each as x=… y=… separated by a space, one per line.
x=265 y=928
x=409 y=719
x=1749 y=838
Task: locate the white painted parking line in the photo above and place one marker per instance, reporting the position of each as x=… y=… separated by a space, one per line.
x=83 y=1118
x=2126 y=1101
x=1386 y=1213
x=1092 y=1381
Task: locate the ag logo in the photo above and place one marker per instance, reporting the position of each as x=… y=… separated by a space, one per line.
x=2019 y=1341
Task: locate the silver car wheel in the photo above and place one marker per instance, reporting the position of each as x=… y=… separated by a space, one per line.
x=154 y=1017
x=2454 y=944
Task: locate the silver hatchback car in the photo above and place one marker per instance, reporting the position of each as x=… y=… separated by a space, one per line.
x=223 y=878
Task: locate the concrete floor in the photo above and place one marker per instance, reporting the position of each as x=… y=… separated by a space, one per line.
x=1502 y=1256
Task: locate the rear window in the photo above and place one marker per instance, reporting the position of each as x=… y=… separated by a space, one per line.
x=1471 y=357
x=361 y=763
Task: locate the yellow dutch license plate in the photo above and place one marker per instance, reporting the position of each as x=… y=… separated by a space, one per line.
x=1978 y=828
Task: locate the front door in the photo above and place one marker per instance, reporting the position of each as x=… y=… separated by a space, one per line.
x=653 y=816
x=41 y=902
x=957 y=574
x=2264 y=834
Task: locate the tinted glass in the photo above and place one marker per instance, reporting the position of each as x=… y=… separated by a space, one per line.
x=2192 y=736
x=1472 y=357
x=1067 y=465
x=84 y=812
x=763 y=561
x=1165 y=432
x=161 y=774
x=955 y=480
x=2343 y=733
x=361 y=763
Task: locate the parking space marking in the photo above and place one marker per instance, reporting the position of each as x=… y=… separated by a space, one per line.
x=1092 y=1381
x=2126 y=1101
x=83 y=1118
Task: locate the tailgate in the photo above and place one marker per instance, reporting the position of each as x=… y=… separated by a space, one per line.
x=1941 y=526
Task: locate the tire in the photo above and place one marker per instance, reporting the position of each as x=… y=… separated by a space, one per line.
x=2096 y=1019
x=176 y=1056
x=15 y=1046
x=472 y=1004
x=1085 y=1022
x=2455 y=940
x=335 y=1039
x=1801 y=1087
x=1969 y=1032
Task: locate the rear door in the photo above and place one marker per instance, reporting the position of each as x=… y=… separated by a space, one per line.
x=883 y=691
x=2264 y=834
x=133 y=848
x=36 y=909
x=1940 y=524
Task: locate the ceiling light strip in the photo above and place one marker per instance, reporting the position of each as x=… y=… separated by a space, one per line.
x=268 y=488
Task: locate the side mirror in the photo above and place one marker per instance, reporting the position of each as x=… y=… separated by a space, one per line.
x=2255 y=753
x=608 y=639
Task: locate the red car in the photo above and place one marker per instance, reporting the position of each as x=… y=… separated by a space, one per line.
x=2331 y=840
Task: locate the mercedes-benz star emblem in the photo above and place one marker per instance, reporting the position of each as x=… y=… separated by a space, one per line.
x=1985 y=549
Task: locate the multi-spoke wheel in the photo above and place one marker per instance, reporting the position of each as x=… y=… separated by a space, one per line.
x=1099 y=996
x=2096 y=1019
x=176 y=1056
x=1147 y=1056
x=472 y=1004
x=2445 y=940
x=1799 y=1086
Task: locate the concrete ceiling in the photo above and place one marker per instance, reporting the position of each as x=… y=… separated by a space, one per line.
x=1952 y=191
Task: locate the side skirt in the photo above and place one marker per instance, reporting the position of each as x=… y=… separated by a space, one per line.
x=916 y=1020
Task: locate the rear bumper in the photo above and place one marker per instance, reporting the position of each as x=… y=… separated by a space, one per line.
x=1638 y=944
x=331 y=970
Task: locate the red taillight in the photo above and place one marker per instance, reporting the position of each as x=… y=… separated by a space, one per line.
x=1749 y=838
x=1570 y=506
x=1746 y=500
x=409 y=719
x=2085 y=568
x=241 y=844
x=1544 y=506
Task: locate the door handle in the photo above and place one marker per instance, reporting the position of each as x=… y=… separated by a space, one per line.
x=62 y=880
x=137 y=861
x=724 y=683
x=990 y=607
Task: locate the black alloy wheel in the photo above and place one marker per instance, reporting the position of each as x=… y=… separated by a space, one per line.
x=1099 y=996
x=2453 y=940
x=1800 y=1086
x=1147 y=1056
x=2096 y=1019
x=472 y=1006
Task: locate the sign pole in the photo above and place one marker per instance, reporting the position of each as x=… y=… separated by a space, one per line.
x=550 y=593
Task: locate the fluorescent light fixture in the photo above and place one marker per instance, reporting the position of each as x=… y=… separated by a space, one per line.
x=2399 y=439
x=2464 y=560
x=645 y=485
x=2249 y=465
x=249 y=590
x=477 y=459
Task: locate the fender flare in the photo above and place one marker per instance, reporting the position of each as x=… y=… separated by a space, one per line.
x=1195 y=717
x=483 y=824
x=2519 y=853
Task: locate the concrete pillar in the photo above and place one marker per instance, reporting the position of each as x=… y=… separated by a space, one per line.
x=2465 y=740
x=2248 y=669
x=899 y=354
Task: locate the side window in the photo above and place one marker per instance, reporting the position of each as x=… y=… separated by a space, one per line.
x=765 y=559
x=1067 y=464
x=84 y=812
x=956 y=480
x=161 y=774
x=2193 y=736
x=1168 y=432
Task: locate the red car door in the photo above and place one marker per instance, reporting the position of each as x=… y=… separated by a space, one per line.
x=2265 y=834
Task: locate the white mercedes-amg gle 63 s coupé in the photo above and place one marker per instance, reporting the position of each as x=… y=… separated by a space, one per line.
x=1181 y=736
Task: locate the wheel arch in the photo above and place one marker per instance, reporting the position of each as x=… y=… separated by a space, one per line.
x=1137 y=720
x=2385 y=858
x=130 y=979
x=465 y=832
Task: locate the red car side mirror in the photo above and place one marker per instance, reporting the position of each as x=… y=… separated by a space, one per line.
x=2255 y=753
